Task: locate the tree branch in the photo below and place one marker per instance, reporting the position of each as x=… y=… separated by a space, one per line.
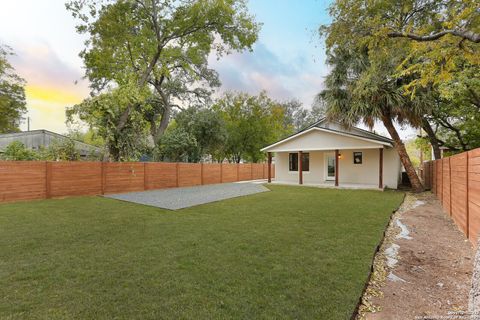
x=468 y=35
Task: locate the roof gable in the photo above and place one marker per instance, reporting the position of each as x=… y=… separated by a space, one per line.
x=332 y=138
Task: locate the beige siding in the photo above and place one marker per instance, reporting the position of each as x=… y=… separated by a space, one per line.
x=365 y=173
x=321 y=140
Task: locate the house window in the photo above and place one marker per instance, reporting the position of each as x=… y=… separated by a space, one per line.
x=293 y=162
x=357 y=158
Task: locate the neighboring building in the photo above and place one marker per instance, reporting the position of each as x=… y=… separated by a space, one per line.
x=335 y=156
x=36 y=139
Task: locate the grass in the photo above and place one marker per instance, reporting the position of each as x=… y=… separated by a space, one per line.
x=294 y=252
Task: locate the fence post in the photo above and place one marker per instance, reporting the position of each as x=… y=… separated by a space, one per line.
x=451 y=182
x=221 y=172
x=201 y=173
x=251 y=171
x=176 y=175
x=144 y=176
x=104 y=177
x=238 y=171
x=468 y=200
x=48 y=180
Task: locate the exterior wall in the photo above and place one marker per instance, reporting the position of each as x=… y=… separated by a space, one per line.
x=321 y=140
x=41 y=138
x=365 y=173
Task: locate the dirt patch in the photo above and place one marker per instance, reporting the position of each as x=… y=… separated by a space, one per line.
x=424 y=267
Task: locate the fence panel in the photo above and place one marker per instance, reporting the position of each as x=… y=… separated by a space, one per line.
x=28 y=180
x=160 y=175
x=123 y=177
x=245 y=172
x=456 y=183
x=75 y=178
x=229 y=172
x=257 y=170
x=474 y=194
x=446 y=184
x=458 y=166
x=189 y=174
x=212 y=173
x=22 y=180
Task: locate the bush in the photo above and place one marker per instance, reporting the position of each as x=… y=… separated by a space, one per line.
x=16 y=151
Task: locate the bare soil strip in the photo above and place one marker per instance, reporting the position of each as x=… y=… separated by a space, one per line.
x=424 y=267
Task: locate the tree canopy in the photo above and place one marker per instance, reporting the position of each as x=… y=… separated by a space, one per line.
x=12 y=94
x=162 y=45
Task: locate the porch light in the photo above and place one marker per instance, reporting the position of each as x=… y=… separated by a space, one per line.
x=339 y=156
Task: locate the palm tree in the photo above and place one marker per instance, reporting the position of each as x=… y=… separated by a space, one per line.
x=358 y=90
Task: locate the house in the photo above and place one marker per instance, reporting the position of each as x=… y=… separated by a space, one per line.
x=37 y=139
x=327 y=154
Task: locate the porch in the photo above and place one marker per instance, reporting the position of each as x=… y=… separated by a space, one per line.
x=339 y=168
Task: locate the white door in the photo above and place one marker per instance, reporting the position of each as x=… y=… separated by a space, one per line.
x=330 y=166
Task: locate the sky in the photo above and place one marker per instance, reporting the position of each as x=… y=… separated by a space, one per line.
x=288 y=60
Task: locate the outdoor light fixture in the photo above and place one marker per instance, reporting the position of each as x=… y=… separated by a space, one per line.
x=339 y=156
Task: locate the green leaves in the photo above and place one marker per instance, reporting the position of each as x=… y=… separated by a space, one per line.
x=12 y=94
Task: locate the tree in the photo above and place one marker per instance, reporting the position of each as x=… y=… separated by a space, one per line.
x=12 y=94
x=439 y=35
x=16 y=151
x=208 y=129
x=160 y=44
x=252 y=122
x=358 y=89
x=101 y=113
x=176 y=145
x=61 y=150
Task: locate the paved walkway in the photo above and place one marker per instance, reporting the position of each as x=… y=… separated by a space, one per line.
x=179 y=198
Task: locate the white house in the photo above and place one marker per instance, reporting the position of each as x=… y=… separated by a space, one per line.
x=335 y=156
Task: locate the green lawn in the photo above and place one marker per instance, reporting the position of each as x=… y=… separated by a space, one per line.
x=294 y=252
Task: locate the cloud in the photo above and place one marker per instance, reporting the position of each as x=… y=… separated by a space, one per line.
x=51 y=85
x=298 y=77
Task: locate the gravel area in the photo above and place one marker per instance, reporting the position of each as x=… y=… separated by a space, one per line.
x=179 y=198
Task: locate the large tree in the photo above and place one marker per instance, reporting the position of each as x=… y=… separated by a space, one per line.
x=251 y=122
x=12 y=94
x=160 y=44
x=358 y=89
x=438 y=34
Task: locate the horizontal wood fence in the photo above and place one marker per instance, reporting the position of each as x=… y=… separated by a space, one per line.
x=28 y=180
x=456 y=183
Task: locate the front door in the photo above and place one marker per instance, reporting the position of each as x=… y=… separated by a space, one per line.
x=330 y=166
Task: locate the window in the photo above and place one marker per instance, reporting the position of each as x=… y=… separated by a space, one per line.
x=293 y=162
x=357 y=158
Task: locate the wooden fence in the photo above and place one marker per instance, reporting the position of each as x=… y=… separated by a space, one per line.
x=28 y=180
x=456 y=183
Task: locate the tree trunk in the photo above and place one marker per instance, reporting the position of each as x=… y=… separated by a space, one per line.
x=433 y=139
x=402 y=152
x=163 y=124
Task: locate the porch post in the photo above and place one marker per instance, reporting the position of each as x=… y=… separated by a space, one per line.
x=380 y=169
x=336 y=167
x=269 y=167
x=300 y=169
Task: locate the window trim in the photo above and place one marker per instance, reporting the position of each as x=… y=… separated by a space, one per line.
x=295 y=155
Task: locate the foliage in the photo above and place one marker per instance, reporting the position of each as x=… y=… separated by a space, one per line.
x=160 y=44
x=361 y=89
x=16 y=151
x=291 y=253
x=434 y=33
x=252 y=122
x=208 y=129
x=102 y=112
x=177 y=145
x=90 y=137
x=60 y=150
x=12 y=94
